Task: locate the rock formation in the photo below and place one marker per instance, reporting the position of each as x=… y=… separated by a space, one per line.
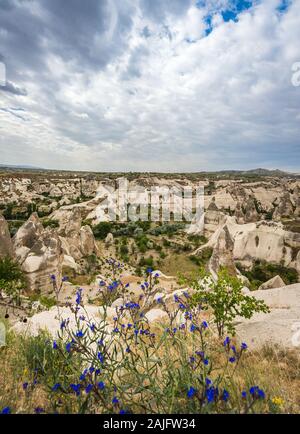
x=284 y=208
x=275 y=282
x=222 y=256
x=6 y=248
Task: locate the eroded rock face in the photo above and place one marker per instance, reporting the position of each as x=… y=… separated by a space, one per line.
x=39 y=252
x=44 y=259
x=6 y=248
x=251 y=214
x=285 y=208
x=223 y=253
x=213 y=217
x=27 y=235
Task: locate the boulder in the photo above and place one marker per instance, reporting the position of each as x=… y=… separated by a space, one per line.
x=109 y=240
x=275 y=282
x=27 y=235
x=285 y=207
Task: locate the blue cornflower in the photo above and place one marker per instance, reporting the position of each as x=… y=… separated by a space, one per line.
x=63 y=324
x=54 y=346
x=116 y=330
x=25 y=385
x=88 y=388
x=76 y=388
x=92 y=327
x=98 y=372
x=78 y=296
x=100 y=357
x=65 y=279
x=193 y=328
x=191 y=392
x=128 y=350
x=206 y=362
x=102 y=283
x=149 y=270
x=53 y=277
x=232 y=359
x=233 y=349
x=244 y=394
x=225 y=395
x=176 y=298
x=204 y=325
x=69 y=346
x=181 y=306
x=6 y=410
x=115 y=400
x=129 y=325
x=56 y=387
x=226 y=342
x=208 y=381
x=211 y=393
x=244 y=346
x=256 y=392
x=101 y=385
x=39 y=410
x=79 y=334
x=159 y=300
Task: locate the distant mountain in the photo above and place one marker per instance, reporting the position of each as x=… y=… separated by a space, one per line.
x=17 y=167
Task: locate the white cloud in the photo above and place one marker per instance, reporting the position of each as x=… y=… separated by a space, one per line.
x=222 y=101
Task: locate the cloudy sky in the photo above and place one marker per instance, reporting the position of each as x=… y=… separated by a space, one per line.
x=150 y=85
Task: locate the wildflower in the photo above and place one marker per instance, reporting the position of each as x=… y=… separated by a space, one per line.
x=277 y=400
x=6 y=410
x=76 y=388
x=191 y=392
x=65 y=279
x=225 y=395
x=39 y=410
x=88 y=388
x=98 y=372
x=82 y=318
x=208 y=382
x=211 y=393
x=55 y=387
x=79 y=334
x=257 y=393
x=204 y=325
x=116 y=330
x=159 y=300
x=128 y=350
x=176 y=298
x=92 y=327
x=206 y=362
x=115 y=400
x=52 y=277
x=100 y=357
x=101 y=385
x=193 y=328
x=232 y=359
x=78 y=296
x=68 y=347
x=244 y=394
x=91 y=369
x=149 y=270
x=226 y=342
x=244 y=346
x=25 y=386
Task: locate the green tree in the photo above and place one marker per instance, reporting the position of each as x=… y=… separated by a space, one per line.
x=225 y=299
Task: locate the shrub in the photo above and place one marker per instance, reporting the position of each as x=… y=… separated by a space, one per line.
x=226 y=300
x=101 y=230
x=12 y=278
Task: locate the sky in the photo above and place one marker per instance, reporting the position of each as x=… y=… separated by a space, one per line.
x=150 y=85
